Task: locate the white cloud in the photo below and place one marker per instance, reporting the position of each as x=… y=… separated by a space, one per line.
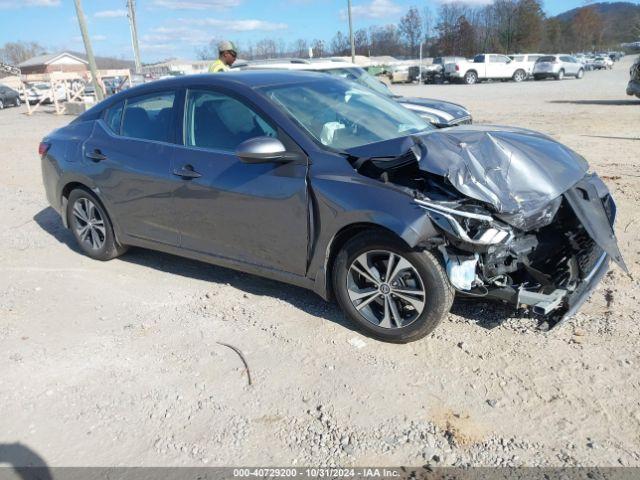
x=175 y=35
x=29 y=3
x=197 y=4
x=236 y=25
x=111 y=13
x=374 y=9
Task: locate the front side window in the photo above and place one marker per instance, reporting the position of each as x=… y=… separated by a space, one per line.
x=220 y=122
x=343 y=115
x=149 y=117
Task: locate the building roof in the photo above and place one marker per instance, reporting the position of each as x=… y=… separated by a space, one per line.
x=47 y=59
x=101 y=62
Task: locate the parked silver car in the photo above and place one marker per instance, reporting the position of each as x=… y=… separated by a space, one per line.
x=557 y=66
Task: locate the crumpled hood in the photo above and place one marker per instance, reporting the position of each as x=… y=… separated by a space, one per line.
x=519 y=172
x=514 y=170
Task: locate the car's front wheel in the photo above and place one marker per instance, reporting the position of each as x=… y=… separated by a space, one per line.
x=17 y=102
x=580 y=73
x=390 y=291
x=560 y=75
x=91 y=226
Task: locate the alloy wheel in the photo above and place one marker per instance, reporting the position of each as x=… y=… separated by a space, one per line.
x=386 y=289
x=89 y=225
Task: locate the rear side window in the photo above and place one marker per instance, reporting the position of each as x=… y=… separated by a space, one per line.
x=478 y=59
x=149 y=117
x=113 y=117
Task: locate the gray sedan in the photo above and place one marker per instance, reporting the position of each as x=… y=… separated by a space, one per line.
x=321 y=183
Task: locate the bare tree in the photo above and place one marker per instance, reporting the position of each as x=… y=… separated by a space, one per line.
x=340 y=45
x=410 y=28
x=587 y=29
x=300 y=48
x=17 y=52
x=318 y=48
x=361 y=39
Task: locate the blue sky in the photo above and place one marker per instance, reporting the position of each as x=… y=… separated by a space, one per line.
x=175 y=28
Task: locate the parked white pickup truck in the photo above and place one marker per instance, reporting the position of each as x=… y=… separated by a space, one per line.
x=486 y=66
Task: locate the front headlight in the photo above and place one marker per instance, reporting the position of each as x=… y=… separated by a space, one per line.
x=470 y=227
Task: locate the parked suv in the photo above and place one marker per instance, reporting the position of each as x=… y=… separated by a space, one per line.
x=321 y=183
x=558 y=67
x=526 y=61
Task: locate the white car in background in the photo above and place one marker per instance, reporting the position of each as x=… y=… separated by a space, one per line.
x=558 y=67
x=602 y=63
x=486 y=66
x=42 y=92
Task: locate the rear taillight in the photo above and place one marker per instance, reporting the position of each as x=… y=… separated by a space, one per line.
x=43 y=148
x=457 y=68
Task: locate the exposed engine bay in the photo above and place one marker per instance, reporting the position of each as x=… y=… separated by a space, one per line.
x=519 y=217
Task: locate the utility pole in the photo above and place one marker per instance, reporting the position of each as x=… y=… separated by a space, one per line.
x=87 y=47
x=131 y=7
x=353 y=45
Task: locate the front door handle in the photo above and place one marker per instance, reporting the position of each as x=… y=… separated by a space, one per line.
x=96 y=155
x=187 y=172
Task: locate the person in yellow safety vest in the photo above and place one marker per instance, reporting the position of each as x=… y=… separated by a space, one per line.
x=227 y=56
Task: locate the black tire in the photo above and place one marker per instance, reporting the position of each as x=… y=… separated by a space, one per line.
x=1 y=105
x=470 y=78
x=108 y=247
x=580 y=74
x=538 y=77
x=519 y=75
x=560 y=75
x=17 y=102
x=438 y=295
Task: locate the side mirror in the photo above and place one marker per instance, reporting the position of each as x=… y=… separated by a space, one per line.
x=262 y=150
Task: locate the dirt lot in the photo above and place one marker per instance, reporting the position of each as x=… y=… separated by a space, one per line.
x=119 y=363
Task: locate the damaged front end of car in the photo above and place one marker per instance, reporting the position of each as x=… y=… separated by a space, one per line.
x=520 y=218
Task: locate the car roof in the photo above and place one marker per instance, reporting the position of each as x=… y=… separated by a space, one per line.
x=248 y=78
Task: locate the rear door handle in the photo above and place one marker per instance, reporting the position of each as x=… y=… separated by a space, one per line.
x=187 y=172
x=96 y=155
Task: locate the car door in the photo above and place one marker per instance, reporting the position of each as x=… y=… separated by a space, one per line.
x=129 y=156
x=251 y=213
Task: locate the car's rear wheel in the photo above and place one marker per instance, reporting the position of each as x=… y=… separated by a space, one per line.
x=470 y=78
x=17 y=102
x=580 y=73
x=560 y=75
x=538 y=77
x=519 y=75
x=91 y=226
x=389 y=291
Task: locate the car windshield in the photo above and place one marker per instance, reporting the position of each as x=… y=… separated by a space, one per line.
x=342 y=115
x=360 y=76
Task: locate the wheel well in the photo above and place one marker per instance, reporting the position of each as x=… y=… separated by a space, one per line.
x=69 y=187
x=343 y=236
x=471 y=71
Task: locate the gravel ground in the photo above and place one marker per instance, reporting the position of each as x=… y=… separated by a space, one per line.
x=122 y=363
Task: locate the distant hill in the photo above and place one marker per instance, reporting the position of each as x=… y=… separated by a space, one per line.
x=619 y=19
